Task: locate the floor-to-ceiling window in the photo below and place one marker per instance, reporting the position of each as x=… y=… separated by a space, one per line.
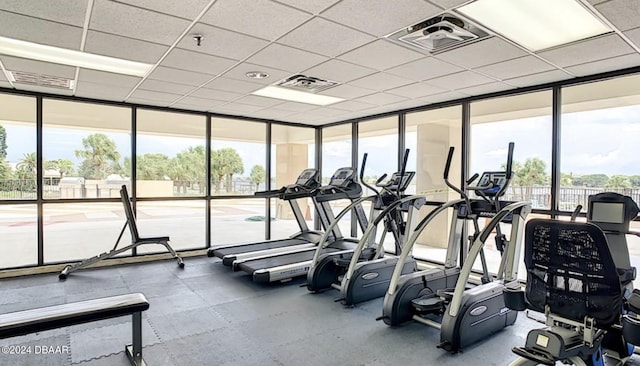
x=238 y=148
x=18 y=221
x=337 y=147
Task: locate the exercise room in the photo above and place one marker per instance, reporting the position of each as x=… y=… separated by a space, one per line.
x=319 y=182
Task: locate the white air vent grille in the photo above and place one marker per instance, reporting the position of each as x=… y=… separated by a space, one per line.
x=438 y=34
x=306 y=83
x=49 y=81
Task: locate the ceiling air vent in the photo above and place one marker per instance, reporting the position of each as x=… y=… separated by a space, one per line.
x=306 y=83
x=440 y=33
x=49 y=81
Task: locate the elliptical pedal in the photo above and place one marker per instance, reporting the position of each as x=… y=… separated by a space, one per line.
x=428 y=304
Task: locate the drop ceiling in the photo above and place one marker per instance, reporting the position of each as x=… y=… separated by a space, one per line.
x=339 y=40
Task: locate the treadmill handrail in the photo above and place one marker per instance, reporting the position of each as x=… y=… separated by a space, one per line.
x=474 y=251
x=408 y=245
x=371 y=229
x=324 y=239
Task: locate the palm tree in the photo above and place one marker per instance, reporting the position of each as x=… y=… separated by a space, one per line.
x=100 y=154
x=63 y=166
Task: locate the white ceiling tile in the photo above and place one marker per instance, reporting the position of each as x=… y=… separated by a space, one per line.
x=153 y=95
x=380 y=17
x=537 y=79
x=2 y=77
x=352 y=106
x=62 y=11
x=5 y=84
x=406 y=104
x=623 y=14
x=320 y=35
x=339 y=71
x=260 y=18
x=179 y=76
x=239 y=72
x=610 y=64
x=381 y=55
x=588 y=51
x=198 y=62
x=123 y=47
x=42 y=89
x=215 y=94
x=595 y=2
x=485 y=88
x=184 y=8
x=460 y=80
x=296 y=107
x=202 y=102
x=129 y=21
x=87 y=89
x=259 y=101
x=233 y=85
x=379 y=99
x=347 y=91
x=272 y=113
x=165 y=87
x=326 y=112
x=416 y=90
x=448 y=4
x=221 y=42
x=312 y=6
x=634 y=36
x=443 y=97
x=517 y=67
x=144 y=101
x=426 y=68
x=380 y=81
x=107 y=78
x=286 y=58
x=191 y=107
x=38 y=67
x=39 y=31
x=243 y=108
x=485 y=52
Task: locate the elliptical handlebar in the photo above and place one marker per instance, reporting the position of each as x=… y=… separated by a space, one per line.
x=364 y=163
x=403 y=169
x=510 y=160
x=447 y=166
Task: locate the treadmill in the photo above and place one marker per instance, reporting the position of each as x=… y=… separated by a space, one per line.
x=305 y=186
x=266 y=268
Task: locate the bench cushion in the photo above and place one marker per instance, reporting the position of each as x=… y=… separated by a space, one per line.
x=58 y=316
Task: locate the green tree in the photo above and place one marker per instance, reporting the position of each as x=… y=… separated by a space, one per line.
x=100 y=156
x=63 y=166
x=3 y=142
x=257 y=175
x=618 y=181
x=566 y=179
x=591 y=180
x=225 y=163
x=188 y=166
x=634 y=180
x=151 y=166
x=26 y=167
x=527 y=175
x=5 y=169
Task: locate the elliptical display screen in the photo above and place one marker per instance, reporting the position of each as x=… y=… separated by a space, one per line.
x=608 y=212
x=494 y=181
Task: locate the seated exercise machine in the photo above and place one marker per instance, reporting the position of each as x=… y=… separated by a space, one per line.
x=363 y=273
x=136 y=240
x=467 y=313
x=573 y=279
x=52 y=317
x=272 y=267
x=305 y=186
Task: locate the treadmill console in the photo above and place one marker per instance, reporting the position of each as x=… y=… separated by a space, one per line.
x=308 y=178
x=342 y=178
x=491 y=183
x=341 y=185
x=397 y=183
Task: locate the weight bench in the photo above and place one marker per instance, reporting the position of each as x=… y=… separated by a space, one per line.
x=36 y=320
x=135 y=240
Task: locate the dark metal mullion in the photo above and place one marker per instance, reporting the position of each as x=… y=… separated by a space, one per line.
x=464 y=168
x=207 y=159
x=355 y=164
x=556 y=119
x=267 y=209
x=134 y=165
x=39 y=181
x=402 y=128
x=318 y=163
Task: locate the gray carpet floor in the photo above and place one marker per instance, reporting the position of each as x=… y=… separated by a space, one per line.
x=206 y=314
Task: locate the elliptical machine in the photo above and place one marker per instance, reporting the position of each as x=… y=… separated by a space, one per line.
x=363 y=273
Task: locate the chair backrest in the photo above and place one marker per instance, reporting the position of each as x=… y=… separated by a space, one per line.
x=612 y=212
x=128 y=211
x=570 y=269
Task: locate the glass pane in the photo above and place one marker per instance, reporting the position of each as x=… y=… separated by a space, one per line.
x=76 y=231
x=237 y=220
x=237 y=148
x=292 y=151
x=525 y=120
x=600 y=124
x=429 y=135
x=170 y=153
x=86 y=148
x=17 y=147
x=336 y=149
x=19 y=235
x=182 y=221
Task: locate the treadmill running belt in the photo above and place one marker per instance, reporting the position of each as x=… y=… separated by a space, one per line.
x=252 y=247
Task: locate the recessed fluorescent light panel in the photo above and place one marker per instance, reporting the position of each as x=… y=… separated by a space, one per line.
x=63 y=56
x=296 y=96
x=536 y=24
